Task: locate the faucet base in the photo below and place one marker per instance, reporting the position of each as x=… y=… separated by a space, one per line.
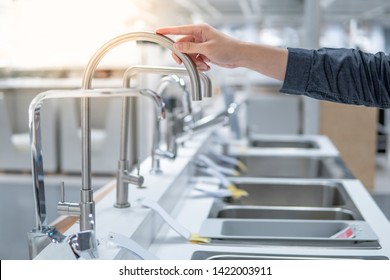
x=122 y=205
x=39 y=239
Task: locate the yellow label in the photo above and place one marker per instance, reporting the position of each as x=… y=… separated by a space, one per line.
x=197 y=239
x=236 y=192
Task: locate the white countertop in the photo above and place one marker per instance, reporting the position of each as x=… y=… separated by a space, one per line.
x=175 y=192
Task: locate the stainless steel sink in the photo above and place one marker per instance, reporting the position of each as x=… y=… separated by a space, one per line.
x=299 y=193
x=291 y=213
x=297 y=200
x=285 y=194
x=215 y=255
x=285 y=144
x=341 y=234
x=278 y=229
x=295 y=167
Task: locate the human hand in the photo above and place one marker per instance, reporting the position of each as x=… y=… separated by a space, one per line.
x=204 y=45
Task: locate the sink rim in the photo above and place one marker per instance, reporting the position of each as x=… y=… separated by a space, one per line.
x=216 y=255
x=213 y=228
x=312 y=145
x=215 y=213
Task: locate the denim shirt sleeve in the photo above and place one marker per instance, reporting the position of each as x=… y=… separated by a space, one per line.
x=340 y=75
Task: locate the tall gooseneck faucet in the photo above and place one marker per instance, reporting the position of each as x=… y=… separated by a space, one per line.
x=43 y=234
x=122 y=192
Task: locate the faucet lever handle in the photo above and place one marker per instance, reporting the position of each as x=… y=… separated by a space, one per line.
x=62 y=188
x=67 y=208
x=138 y=168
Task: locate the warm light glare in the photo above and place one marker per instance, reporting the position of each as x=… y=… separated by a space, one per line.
x=58 y=33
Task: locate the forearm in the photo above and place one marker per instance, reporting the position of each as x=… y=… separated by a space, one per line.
x=270 y=61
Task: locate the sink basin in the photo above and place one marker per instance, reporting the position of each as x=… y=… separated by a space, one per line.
x=284 y=194
x=301 y=193
x=285 y=144
x=346 y=234
x=276 y=229
x=295 y=167
x=291 y=213
x=294 y=200
x=215 y=255
x=299 y=200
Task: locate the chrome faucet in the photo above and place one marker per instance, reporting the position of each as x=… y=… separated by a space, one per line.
x=173 y=118
x=170 y=152
x=122 y=188
x=123 y=176
x=157 y=153
x=43 y=234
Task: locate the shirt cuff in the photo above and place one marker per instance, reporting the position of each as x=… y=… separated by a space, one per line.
x=298 y=71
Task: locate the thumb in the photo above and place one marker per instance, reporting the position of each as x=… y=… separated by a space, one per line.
x=188 y=47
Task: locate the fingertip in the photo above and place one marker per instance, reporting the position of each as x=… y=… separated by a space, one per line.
x=203 y=67
x=161 y=30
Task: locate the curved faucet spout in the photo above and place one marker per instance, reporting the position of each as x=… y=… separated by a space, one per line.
x=147 y=37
